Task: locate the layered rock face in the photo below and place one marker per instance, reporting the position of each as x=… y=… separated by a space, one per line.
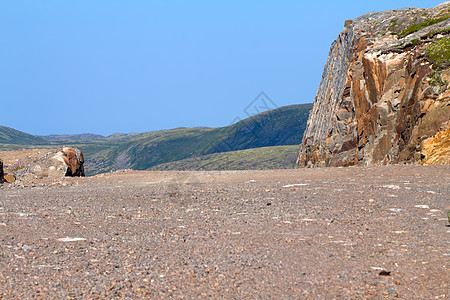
x=384 y=95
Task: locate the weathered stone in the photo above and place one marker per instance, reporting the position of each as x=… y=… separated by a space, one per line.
x=74 y=160
x=10 y=178
x=381 y=100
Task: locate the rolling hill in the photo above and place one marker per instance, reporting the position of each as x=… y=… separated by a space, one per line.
x=67 y=137
x=282 y=126
x=14 y=139
x=142 y=151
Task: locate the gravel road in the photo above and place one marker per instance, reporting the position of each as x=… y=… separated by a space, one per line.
x=324 y=233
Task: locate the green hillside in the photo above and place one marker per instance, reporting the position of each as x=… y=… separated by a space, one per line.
x=153 y=148
x=282 y=126
x=68 y=137
x=13 y=139
x=141 y=151
x=275 y=157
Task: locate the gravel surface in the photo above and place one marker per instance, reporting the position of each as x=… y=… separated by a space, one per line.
x=308 y=233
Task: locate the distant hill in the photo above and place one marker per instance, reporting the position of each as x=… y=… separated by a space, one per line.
x=264 y=158
x=282 y=126
x=142 y=151
x=269 y=128
x=13 y=139
x=69 y=137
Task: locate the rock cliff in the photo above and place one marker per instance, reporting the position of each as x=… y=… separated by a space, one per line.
x=384 y=95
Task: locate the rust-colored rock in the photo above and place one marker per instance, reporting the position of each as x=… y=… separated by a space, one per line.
x=436 y=150
x=10 y=178
x=74 y=160
x=383 y=99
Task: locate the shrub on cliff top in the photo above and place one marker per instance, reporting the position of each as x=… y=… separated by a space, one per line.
x=417 y=27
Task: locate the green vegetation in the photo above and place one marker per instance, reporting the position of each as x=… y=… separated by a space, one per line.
x=436 y=79
x=417 y=27
x=439 y=52
x=282 y=126
x=12 y=136
x=17 y=166
x=393 y=24
x=414 y=41
x=276 y=157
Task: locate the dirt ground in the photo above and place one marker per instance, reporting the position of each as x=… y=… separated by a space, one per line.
x=24 y=155
x=351 y=233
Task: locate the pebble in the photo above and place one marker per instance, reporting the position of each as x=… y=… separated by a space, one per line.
x=391 y=186
x=295 y=184
x=422 y=206
x=68 y=239
x=396 y=209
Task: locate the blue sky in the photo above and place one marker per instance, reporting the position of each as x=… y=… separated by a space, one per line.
x=106 y=66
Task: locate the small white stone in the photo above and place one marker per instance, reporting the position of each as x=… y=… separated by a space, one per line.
x=396 y=209
x=422 y=206
x=68 y=239
x=392 y=187
x=296 y=184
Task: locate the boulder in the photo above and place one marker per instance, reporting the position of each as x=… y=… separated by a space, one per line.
x=74 y=160
x=10 y=178
x=59 y=162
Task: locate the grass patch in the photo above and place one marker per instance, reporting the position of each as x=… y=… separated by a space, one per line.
x=439 y=52
x=275 y=157
x=424 y=24
x=393 y=24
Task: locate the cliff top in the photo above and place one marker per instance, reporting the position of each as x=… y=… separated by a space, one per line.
x=401 y=26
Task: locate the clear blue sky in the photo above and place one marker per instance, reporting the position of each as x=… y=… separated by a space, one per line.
x=106 y=66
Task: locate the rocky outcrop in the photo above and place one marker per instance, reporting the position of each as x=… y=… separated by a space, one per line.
x=74 y=160
x=384 y=95
x=57 y=163
x=43 y=163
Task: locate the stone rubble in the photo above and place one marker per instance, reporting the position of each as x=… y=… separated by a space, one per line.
x=44 y=167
